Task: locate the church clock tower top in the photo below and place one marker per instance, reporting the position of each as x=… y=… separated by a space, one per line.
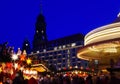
x=40 y=37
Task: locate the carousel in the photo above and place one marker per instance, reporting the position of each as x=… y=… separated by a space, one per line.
x=102 y=46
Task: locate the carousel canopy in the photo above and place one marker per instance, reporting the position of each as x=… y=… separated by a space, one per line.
x=102 y=44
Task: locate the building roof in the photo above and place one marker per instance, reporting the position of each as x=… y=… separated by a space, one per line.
x=74 y=37
x=39 y=68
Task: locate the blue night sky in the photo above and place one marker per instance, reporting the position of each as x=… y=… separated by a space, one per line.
x=63 y=17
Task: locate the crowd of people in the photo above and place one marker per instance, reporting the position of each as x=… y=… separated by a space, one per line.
x=62 y=79
x=75 y=79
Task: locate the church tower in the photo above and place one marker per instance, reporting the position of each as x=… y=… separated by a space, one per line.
x=40 y=37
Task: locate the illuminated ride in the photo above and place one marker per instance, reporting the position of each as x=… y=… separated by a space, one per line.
x=102 y=44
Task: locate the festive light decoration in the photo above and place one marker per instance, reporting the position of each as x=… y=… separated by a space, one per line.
x=30 y=73
x=16 y=65
x=9 y=65
x=19 y=52
x=0 y=69
x=14 y=57
x=22 y=57
x=21 y=62
x=24 y=52
x=29 y=61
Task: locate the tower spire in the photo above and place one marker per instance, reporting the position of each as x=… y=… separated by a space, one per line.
x=40 y=37
x=41 y=10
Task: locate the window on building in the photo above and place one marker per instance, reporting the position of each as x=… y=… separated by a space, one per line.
x=46 y=58
x=73 y=60
x=50 y=53
x=63 y=55
x=59 y=57
x=73 y=44
x=55 y=57
x=39 y=55
x=63 y=61
x=42 y=54
x=68 y=51
x=59 y=66
x=63 y=51
x=59 y=52
x=55 y=53
x=50 y=62
x=46 y=54
x=55 y=48
x=31 y=52
x=54 y=62
x=80 y=43
x=37 y=51
x=73 y=54
x=68 y=45
x=59 y=61
x=50 y=58
x=60 y=47
x=74 y=64
x=44 y=50
x=63 y=65
x=43 y=58
x=79 y=64
x=79 y=59
x=64 y=46
x=73 y=50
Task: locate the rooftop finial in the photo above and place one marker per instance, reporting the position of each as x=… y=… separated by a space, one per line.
x=118 y=14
